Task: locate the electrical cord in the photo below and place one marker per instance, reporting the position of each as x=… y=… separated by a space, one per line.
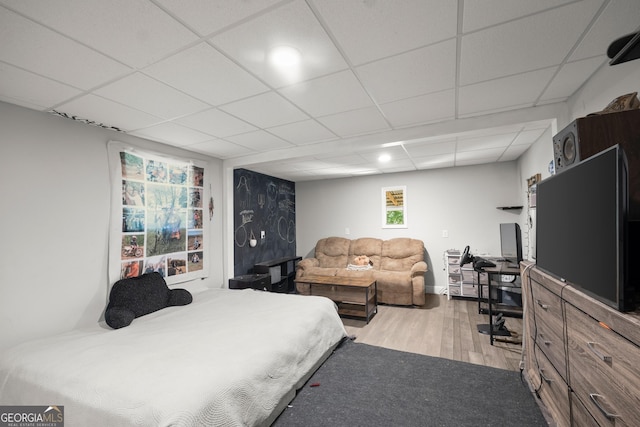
x=527 y=274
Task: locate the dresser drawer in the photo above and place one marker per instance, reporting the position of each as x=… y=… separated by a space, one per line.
x=603 y=370
x=545 y=308
x=553 y=391
x=581 y=417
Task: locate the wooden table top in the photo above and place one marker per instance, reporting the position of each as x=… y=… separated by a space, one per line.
x=360 y=282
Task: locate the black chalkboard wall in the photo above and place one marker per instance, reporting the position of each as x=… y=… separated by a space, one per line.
x=262 y=203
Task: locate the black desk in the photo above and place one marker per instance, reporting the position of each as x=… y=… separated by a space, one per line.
x=501 y=268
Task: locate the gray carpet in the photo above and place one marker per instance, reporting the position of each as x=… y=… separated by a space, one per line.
x=363 y=385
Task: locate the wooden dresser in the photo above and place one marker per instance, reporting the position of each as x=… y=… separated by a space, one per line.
x=581 y=356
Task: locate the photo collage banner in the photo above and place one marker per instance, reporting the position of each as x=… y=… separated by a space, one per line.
x=161 y=216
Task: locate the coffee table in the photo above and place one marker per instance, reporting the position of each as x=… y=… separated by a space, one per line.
x=354 y=296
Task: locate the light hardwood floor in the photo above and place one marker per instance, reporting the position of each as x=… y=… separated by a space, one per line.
x=442 y=328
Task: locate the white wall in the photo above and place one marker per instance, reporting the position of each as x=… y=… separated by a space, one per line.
x=55 y=192
x=461 y=200
x=603 y=87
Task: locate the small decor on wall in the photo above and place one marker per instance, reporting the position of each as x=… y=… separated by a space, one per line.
x=394 y=207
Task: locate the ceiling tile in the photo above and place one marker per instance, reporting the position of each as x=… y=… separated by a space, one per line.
x=484 y=143
x=475 y=161
x=486 y=13
x=420 y=71
x=109 y=113
x=172 y=133
x=293 y=25
x=431 y=149
x=30 y=90
x=571 y=76
x=421 y=109
x=308 y=164
x=206 y=74
x=328 y=95
x=216 y=122
x=370 y=30
x=265 y=110
x=149 y=95
x=619 y=18
x=44 y=52
x=355 y=122
x=206 y=16
x=509 y=92
x=396 y=153
x=533 y=43
x=513 y=152
x=434 y=162
x=343 y=159
x=487 y=153
x=528 y=137
x=259 y=141
x=134 y=32
x=398 y=166
x=220 y=149
x=304 y=132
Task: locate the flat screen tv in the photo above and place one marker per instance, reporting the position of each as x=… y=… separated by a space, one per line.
x=511 y=242
x=581 y=229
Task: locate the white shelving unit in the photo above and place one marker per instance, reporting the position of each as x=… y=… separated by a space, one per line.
x=462 y=281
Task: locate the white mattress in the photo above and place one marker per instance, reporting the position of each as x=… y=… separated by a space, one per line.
x=230 y=358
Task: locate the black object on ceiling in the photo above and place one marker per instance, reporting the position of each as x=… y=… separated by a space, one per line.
x=626 y=48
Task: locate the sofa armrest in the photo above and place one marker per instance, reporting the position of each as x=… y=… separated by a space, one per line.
x=306 y=263
x=419 y=269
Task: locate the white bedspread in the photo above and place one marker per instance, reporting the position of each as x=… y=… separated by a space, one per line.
x=230 y=358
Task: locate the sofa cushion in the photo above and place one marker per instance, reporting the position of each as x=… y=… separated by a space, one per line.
x=394 y=287
x=322 y=271
x=366 y=246
x=343 y=272
x=401 y=253
x=333 y=252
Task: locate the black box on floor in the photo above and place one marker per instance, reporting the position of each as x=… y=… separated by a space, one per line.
x=253 y=281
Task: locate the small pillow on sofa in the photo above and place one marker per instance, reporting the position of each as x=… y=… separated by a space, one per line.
x=137 y=296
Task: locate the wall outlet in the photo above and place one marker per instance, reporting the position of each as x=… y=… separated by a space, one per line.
x=262 y=234
x=445 y=233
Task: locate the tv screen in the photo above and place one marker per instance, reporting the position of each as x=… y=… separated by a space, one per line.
x=511 y=242
x=581 y=226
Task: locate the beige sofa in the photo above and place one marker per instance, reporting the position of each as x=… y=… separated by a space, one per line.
x=398 y=265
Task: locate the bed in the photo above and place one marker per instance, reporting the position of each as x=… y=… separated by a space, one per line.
x=230 y=358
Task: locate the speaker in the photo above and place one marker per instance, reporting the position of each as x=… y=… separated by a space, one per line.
x=590 y=135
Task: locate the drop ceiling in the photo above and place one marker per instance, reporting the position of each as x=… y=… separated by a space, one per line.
x=431 y=83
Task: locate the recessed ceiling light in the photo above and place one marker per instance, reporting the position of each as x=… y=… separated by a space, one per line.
x=384 y=158
x=285 y=56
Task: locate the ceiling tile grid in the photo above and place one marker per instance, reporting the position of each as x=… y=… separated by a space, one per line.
x=198 y=74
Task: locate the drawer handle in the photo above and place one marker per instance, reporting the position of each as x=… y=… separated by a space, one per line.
x=543 y=306
x=545 y=379
x=544 y=341
x=594 y=397
x=602 y=357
